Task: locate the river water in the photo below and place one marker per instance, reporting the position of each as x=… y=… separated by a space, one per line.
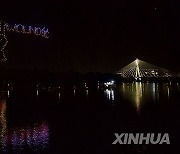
x=84 y=120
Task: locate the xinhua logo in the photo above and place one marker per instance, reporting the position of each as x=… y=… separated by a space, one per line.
x=141 y=138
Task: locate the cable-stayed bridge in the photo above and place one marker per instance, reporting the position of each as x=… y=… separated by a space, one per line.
x=139 y=69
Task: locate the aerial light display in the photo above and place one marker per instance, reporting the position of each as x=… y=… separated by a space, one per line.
x=3 y=41
x=18 y=28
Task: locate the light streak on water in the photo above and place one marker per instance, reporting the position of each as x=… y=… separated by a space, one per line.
x=59 y=95
x=109 y=94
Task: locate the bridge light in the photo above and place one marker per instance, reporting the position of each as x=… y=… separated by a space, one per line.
x=139 y=68
x=137 y=61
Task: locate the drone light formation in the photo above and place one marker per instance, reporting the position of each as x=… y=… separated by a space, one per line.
x=3 y=37
x=19 y=28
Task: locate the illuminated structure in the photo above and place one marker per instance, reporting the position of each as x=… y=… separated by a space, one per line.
x=139 y=69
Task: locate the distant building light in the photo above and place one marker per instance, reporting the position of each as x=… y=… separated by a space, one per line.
x=120 y=73
x=109 y=83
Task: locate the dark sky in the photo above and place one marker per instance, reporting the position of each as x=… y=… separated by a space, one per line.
x=94 y=35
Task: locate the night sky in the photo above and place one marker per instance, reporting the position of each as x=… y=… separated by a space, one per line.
x=93 y=36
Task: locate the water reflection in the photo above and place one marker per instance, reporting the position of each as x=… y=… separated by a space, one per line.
x=18 y=139
x=8 y=93
x=168 y=91
x=36 y=137
x=74 y=90
x=59 y=95
x=87 y=92
x=139 y=93
x=3 y=122
x=37 y=92
x=109 y=93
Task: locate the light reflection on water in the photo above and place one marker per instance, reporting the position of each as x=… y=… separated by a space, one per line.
x=59 y=94
x=139 y=93
x=3 y=121
x=36 y=136
x=133 y=92
x=18 y=139
x=109 y=93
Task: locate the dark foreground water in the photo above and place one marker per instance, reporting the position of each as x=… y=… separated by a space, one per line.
x=84 y=120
